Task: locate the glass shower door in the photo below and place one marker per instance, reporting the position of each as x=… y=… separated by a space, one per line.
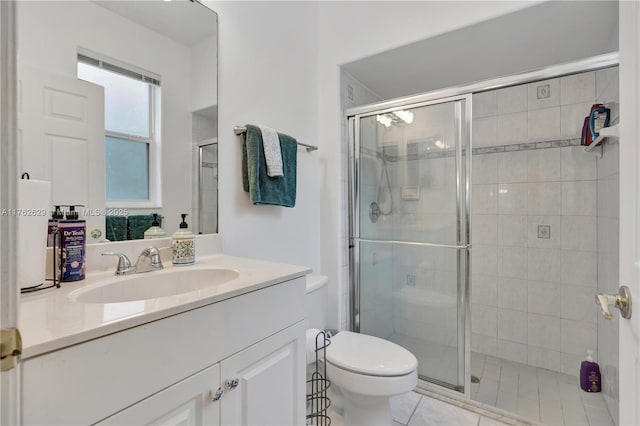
x=410 y=233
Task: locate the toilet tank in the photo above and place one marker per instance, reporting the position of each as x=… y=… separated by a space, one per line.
x=316 y=301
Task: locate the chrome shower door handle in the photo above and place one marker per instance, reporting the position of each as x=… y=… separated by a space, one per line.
x=622 y=301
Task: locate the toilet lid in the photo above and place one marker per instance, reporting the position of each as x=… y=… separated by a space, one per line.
x=369 y=355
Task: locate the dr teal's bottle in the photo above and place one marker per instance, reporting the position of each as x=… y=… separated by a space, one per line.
x=73 y=235
x=184 y=245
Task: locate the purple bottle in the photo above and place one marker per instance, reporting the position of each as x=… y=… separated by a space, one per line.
x=590 y=378
x=73 y=232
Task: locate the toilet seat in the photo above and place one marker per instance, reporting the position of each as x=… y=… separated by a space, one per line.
x=365 y=385
x=370 y=356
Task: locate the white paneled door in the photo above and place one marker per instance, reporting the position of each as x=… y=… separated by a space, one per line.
x=629 y=337
x=61 y=139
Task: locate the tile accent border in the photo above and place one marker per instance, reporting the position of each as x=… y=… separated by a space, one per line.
x=390 y=151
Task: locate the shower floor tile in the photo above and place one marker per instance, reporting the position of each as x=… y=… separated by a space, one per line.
x=535 y=393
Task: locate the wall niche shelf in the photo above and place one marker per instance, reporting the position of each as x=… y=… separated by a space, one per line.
x=597 y=145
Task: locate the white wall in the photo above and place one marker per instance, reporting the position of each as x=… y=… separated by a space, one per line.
x=204 y=79
x=350 y=31
x=478 y=52
x=279 y=66
x=608 y=241
x=268 y=74
x=44 y=38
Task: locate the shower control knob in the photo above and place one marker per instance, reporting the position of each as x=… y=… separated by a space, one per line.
x=231 y=384
x=217 y=394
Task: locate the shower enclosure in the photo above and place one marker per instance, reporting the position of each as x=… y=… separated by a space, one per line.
x=409 y=230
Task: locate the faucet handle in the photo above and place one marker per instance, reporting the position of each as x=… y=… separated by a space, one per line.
x=124 y=264
x=153 y=263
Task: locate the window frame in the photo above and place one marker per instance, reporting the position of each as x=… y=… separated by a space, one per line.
x=153 y=141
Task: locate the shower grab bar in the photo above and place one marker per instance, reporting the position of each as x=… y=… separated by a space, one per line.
x=238 y=130
x=412 y=243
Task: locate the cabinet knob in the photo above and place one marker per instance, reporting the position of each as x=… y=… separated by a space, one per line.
x=231 y=384
x=217 y=394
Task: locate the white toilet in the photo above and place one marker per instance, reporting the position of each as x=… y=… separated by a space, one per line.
x=367 y=371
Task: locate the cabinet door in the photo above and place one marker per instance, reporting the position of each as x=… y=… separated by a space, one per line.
x=188 y=402
x=269 y=380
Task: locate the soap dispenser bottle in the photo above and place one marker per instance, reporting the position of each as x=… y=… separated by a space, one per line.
x=155 y=231
x=590 y=378
x=73 y=236
x=56 y=216
x=184 y=244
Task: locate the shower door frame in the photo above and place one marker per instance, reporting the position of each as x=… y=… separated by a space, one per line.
x=553 y=71
x=463 y=220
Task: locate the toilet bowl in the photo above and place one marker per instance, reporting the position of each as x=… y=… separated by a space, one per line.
x=368 y=371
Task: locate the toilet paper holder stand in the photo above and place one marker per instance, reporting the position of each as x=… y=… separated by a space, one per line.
x=318 y=401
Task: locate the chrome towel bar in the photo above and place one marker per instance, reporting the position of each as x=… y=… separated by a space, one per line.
x=238 y=130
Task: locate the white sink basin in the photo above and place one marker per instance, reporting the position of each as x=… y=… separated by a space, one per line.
x=152 y=285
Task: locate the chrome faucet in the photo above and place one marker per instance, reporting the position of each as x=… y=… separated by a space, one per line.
x=149 y=260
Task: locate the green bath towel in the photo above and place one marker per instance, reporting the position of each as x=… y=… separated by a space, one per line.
x=263 y=189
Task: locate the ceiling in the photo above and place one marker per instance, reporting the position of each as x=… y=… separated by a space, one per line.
x=550 y=33
x=184 y=21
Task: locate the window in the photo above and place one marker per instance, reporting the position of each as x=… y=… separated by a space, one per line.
x=131 y=132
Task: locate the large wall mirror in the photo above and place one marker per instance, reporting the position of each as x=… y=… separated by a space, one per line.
x=118 y=109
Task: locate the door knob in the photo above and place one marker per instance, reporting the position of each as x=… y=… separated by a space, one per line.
x=622 y=301
x=217 y=394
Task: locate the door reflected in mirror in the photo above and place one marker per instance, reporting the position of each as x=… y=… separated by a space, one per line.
x=118 y=109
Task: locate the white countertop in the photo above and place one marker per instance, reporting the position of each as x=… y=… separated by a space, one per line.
x=51 y=321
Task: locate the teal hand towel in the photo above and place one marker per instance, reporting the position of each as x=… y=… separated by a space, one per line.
x=263 y=189
x=116 y=228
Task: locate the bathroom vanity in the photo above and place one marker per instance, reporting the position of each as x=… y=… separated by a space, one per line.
x=232 y=353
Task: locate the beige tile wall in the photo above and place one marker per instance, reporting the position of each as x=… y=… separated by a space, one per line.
x=532 y=298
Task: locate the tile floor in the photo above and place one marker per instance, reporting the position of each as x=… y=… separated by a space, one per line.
x=535 y=393
x=413 y=409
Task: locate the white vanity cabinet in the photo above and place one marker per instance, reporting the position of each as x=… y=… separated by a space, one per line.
x=189 y=402
x=168 y=371
x=262 y=384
